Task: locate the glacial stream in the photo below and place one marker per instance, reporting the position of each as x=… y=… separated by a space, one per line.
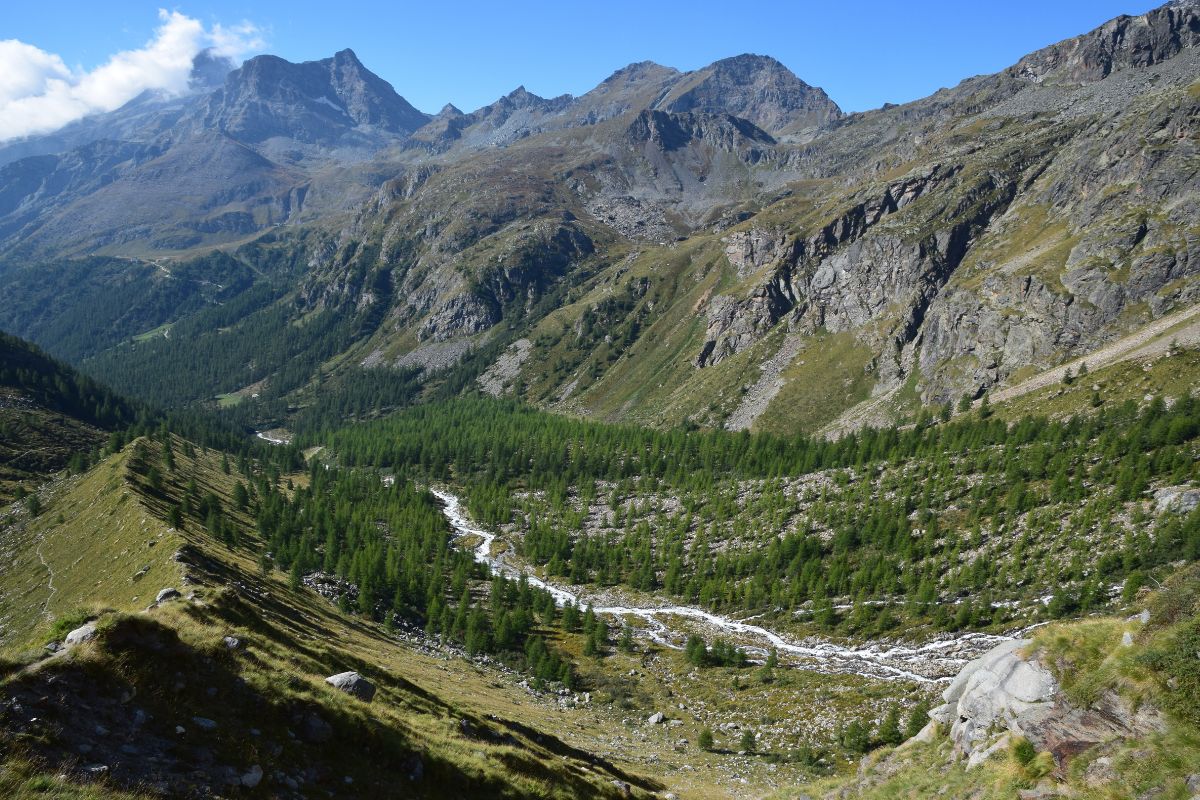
x=935 y=661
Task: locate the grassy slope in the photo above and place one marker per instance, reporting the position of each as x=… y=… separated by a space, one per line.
x=35 y=441
x=520 y=744
x=86 y=550
x=295 y=639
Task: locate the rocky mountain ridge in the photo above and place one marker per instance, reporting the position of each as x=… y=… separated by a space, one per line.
x=708 y=223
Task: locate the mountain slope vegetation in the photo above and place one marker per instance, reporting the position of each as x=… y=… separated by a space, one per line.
x=644 y=253
x=690 y=437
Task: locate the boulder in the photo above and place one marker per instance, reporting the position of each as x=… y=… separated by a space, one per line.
x=353 y=684
x=315 y=730
x=1177 y=499
x=995 y=690
x=204 y=723
x=252 y=777
x=1004 y=694
x=655 y=719
x=169 y=593
x=84 y=633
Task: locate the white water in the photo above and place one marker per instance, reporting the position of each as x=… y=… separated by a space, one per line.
x=935 y=661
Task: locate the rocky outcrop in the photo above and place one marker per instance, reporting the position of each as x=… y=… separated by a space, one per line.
x=1121 y=43
x=756 y=88
x=999 y=690
x=1010 y=693
x=1178 y=499
x=845 y=275
x=726 y=132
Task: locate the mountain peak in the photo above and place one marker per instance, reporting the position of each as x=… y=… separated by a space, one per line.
x=314 y=101
x=754 y=87
x=209 y=71
x=639 y=70
x=347 y=55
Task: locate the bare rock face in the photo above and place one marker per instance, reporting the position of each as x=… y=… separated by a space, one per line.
x=749 y=251
x=1007 y=694
x=1119 y=44
x=999 y=689
x=1177 y=499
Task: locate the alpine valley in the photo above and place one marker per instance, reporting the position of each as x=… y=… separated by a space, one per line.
x=690 y=437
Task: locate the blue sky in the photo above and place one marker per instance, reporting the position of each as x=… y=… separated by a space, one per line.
x=862 y=53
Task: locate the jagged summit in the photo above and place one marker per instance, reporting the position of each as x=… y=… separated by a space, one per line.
x=209 y=71
x=314 y=101
x=754 y=87
x=1121 y=43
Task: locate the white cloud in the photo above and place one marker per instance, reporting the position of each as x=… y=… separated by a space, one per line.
x=39 y=93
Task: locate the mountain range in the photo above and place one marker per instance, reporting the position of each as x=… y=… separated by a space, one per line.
x=721 y=247
x=687 y=438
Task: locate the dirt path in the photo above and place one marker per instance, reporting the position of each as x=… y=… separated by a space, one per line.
x=49 y=580
x=1146 y=343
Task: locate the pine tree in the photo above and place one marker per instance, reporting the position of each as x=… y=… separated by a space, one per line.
x=889 y=729
x=917 y=720
x=627 y=638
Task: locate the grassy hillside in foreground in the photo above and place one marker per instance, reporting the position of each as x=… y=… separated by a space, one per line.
x=477 y=727
x=437 y=729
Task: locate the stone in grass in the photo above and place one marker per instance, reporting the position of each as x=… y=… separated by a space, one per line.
x=169 y=593
x=655 y=719
x=353 y=684
x=84 y=633
x=204 y=724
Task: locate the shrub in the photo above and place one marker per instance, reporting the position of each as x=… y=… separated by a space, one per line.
x=1023 y=751
x=1174 y=662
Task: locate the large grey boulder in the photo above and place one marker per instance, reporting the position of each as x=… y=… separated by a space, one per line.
x=1005 y=694
x=84 y=633
x=170 y=593
x=354 y=684
x=1000 y=689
